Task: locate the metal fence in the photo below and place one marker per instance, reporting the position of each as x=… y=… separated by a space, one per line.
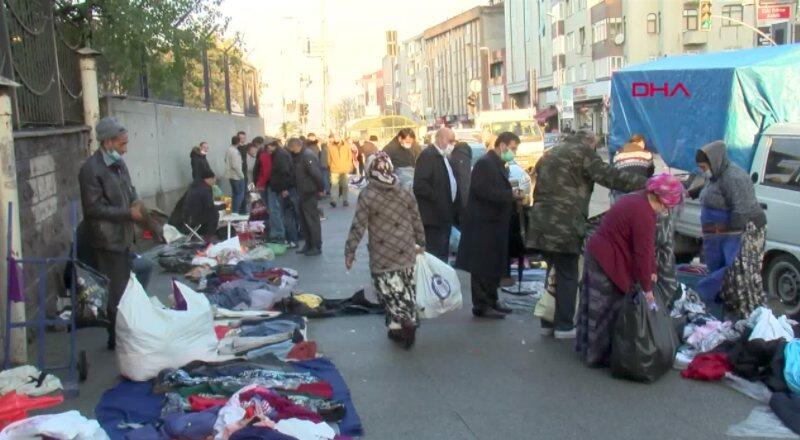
x=38 y=51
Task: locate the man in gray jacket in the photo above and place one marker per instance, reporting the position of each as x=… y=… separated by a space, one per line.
x=110 y=209
x=235 y=173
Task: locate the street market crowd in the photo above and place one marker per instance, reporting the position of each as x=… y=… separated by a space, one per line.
x=612 y=285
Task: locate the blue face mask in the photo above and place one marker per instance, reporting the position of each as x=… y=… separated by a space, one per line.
x=115 y=156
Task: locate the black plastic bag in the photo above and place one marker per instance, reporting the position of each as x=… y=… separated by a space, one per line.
x=644 y=342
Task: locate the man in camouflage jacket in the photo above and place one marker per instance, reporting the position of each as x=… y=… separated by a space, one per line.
x=565 y=178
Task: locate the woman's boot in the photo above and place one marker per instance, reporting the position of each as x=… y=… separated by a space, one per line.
x=408 y=332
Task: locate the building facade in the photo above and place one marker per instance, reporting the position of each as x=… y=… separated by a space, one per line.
x=567 y=50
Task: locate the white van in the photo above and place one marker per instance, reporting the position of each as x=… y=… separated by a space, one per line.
x=776 y=174
x=519 y=122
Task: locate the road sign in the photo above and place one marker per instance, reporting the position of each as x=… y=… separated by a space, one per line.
x=567 y=103
x=773 y=13
x=475 y=86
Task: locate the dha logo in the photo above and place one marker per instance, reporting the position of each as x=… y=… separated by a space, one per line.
x=649 y=90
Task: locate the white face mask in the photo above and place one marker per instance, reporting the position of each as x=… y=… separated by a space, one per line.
x=407 y=145
x=449 y=150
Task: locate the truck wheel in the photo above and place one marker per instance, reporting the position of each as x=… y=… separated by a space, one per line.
x=783 y=282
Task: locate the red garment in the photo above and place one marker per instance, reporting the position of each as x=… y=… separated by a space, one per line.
x=708 y=366
x=283 y=406
x=15 y=406
x=624 y=243
x=318 y=389
x=265 y=170
x=202 y=403
x=221 y=330
x=303 y=351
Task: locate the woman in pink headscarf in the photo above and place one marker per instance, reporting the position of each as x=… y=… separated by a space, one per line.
x=621 y=260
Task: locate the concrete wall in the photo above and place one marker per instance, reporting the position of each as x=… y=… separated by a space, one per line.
x=48 y=162
x=161 y=138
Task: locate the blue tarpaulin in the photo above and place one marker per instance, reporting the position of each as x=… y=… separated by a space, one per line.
x=680 y=103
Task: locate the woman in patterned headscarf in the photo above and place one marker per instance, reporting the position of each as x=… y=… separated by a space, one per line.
x=390 y=215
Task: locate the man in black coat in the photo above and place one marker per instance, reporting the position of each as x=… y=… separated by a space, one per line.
x=461 y=161
x=308 y=179
x=196 y=208
x=111 y=206
x=483 y=251
x=436 y=192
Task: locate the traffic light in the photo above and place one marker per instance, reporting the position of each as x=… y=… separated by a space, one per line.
x=705 y=15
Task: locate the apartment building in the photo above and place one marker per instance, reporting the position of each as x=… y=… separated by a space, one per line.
x=567 y=50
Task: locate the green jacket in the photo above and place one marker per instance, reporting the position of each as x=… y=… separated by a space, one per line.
x=565 y=178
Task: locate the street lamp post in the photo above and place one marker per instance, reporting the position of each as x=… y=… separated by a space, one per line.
x=557 y=77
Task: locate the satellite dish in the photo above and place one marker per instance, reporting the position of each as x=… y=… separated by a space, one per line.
x=475 y=86
x=619 y=39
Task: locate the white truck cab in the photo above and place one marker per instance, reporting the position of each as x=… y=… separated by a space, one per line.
x=520 y=122
x=776 y=174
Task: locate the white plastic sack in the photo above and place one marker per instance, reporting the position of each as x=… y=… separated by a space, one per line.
x=438 y=288
x=70 y=425
x=768 y=327
x=151 y=337
x=761 y=423
x=171 y=233
x=231 y=244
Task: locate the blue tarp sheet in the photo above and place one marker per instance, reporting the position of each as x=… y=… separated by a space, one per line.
x=680 y=103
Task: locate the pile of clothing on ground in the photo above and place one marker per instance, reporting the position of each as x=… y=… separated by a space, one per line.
x=759 y=356
x=24 y=389
x=196 y=370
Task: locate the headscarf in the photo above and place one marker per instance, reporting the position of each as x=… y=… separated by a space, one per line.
x=667 y=188
x=381 y=169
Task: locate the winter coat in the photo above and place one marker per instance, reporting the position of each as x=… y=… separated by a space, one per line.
x=323 y=157
x=196 y=208
x=390 y=215
x=282 y=178
x=401 y=156
x=233 y=164
x=432 y=189
x=565 y=178
x=731 y=189
x=200 y=163
x=483 y=249
x=461 y=162
x=308 y=177
x=263 y=169
x=340 y=158
x=106 y=197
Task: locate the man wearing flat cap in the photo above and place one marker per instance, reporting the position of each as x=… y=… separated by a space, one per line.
x=110 y=209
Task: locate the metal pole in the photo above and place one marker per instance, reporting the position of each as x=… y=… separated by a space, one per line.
x=206 y=78
x=13 y=242
x=90 y=93
x=324 y=64
x=748 y=26
x=227 y=72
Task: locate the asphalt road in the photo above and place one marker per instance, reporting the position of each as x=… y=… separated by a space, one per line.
x=466 y=378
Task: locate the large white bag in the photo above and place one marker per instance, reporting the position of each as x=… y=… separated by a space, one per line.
x=438 y=288
x=152 y=337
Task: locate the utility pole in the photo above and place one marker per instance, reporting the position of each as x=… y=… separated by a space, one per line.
x=324 y=57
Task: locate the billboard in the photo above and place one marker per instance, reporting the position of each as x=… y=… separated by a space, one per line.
x=775 y=11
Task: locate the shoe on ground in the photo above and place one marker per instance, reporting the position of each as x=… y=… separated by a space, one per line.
x=333 y=204
x=301 y=251
x=546 y=331
x=291 y=245
x=408 y=332
x=502 y=309
x=488 y=313
x=111 y=344
x=346 y=204
x=313 y=252
x=564 y=334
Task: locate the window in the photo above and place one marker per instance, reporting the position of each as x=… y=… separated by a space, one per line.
x=783 y=164
x=496 y=70
x=581 y=5
x=690 y=19
x=614 y=27
x=652 y=24
x=570 y=6
x=571 y=75
x=735 y=12
x=570 y=42
x=584 y=72
x=617 y=63
x=558 y=45
x=581 y=39
x=600 y=31
x=601 y=69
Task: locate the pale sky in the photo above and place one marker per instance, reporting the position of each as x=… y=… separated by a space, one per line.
x=274 y=33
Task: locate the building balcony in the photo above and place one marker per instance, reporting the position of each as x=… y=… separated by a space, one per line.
x=695 y=38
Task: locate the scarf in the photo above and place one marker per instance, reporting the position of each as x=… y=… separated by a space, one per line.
x=381 y=168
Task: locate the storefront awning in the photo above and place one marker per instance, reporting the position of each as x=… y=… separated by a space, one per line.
x=546 y=114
